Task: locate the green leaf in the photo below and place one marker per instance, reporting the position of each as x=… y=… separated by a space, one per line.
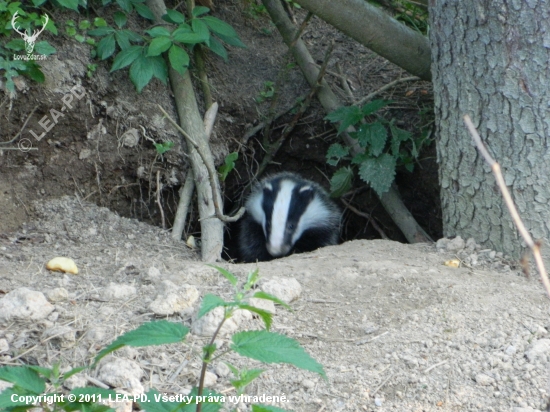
x=163 y=147
x=200 y=10
x=144 y=11
x=106 y=47
x=228 y=166
x=179 y=59
x=227 y=274
x=200 y=28
x=341 y=182
x=126 y=57
x=159 y=31
x=84 y=25
x=244 y=378
x=188 y=38
x=69 y=4
x=120 y=19
x=232 y=41
x=373 y=135
x=101 y=31
x=374 y=106
x=266 y=316
x=158 y=46
x=100 y=22
x=378 y=172
x=217 y=47
x=271 y=347
x=151 y=333
x=335 y=153
x=346 y=116
x=267 y=408
x=220 y=27
x=173 y=16
x=125 y=5
x=79 y=38
x=34 y=73
x=23 y=377
x=123 y=39
x=252 y=279
x=160 y=71
x=37 y=3
x=210 y=302
x=6 y=404
x=263 y=295
x=398 y=136
x=43 y=47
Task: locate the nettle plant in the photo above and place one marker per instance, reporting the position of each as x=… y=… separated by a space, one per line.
x=385 y=145
x=143 y=53
x=31 y=383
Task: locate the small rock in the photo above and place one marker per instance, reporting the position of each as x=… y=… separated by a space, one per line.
x=153 y=273
x=484 y=380
x=378 y=401
x=285 y=289
x=510 y=350
x=456 y=245
x=4 y=346
x=118 y=292
x=130 y=138
x=442 y=243
x=172 y=298
x=207 y=325
x=24 y=304
x=122 y=373
x=210 y=379
x=308 y=383
x=538 y=348
x=471 y=244
x=222 y=370
x=84 y=154
x=264 y=304
x=57 y=294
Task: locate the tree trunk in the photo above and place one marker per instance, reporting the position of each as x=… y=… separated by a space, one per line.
x=376 y=30
x=490 y=60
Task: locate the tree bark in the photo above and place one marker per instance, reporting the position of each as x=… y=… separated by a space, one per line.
x=191 y=121
x=376 y=30
x=491 y=62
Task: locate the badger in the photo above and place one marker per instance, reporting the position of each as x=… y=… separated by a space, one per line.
x=287 y=214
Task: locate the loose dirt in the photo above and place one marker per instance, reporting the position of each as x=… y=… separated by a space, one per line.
x=394 y=328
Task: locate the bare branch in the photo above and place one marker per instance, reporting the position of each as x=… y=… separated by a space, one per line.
x=534 y=246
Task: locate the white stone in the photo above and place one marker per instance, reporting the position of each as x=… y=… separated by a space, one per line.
x=285 y=289
x=24 y=304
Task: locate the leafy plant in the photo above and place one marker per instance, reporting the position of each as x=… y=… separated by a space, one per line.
x=163 y=147
x=267 y=93
x=383 y=144
x=29 y=382
x=228 y=166
x=143 y=52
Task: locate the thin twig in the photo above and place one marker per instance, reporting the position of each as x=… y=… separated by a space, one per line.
x=366 y=216
x=159 y=188
x=534 y=246
x=382 y=384
x=211 y=173
x=22 y=128
x=386 y=87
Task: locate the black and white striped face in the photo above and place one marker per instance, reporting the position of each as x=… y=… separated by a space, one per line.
x=285 y=209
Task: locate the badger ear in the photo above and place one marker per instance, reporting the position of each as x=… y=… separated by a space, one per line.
x=268 y=187
x=307 y=192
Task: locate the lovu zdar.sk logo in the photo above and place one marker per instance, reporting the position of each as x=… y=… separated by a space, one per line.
x=30 y=39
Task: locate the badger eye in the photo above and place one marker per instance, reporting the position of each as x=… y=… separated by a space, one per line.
x=290 y=226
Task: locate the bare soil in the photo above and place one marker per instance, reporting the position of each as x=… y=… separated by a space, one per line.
x=394 y=328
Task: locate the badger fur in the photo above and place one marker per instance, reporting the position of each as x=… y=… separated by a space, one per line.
x=287 y=214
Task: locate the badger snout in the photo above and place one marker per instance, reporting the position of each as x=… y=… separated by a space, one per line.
x=278 y=250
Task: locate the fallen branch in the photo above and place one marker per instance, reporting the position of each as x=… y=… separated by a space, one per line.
x=495 y=167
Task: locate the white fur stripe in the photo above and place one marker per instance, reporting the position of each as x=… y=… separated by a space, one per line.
x=281 y=206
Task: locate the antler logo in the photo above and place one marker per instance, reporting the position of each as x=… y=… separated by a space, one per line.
x=30 y=40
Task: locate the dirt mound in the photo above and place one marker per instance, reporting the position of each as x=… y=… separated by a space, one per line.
x=393 y=327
